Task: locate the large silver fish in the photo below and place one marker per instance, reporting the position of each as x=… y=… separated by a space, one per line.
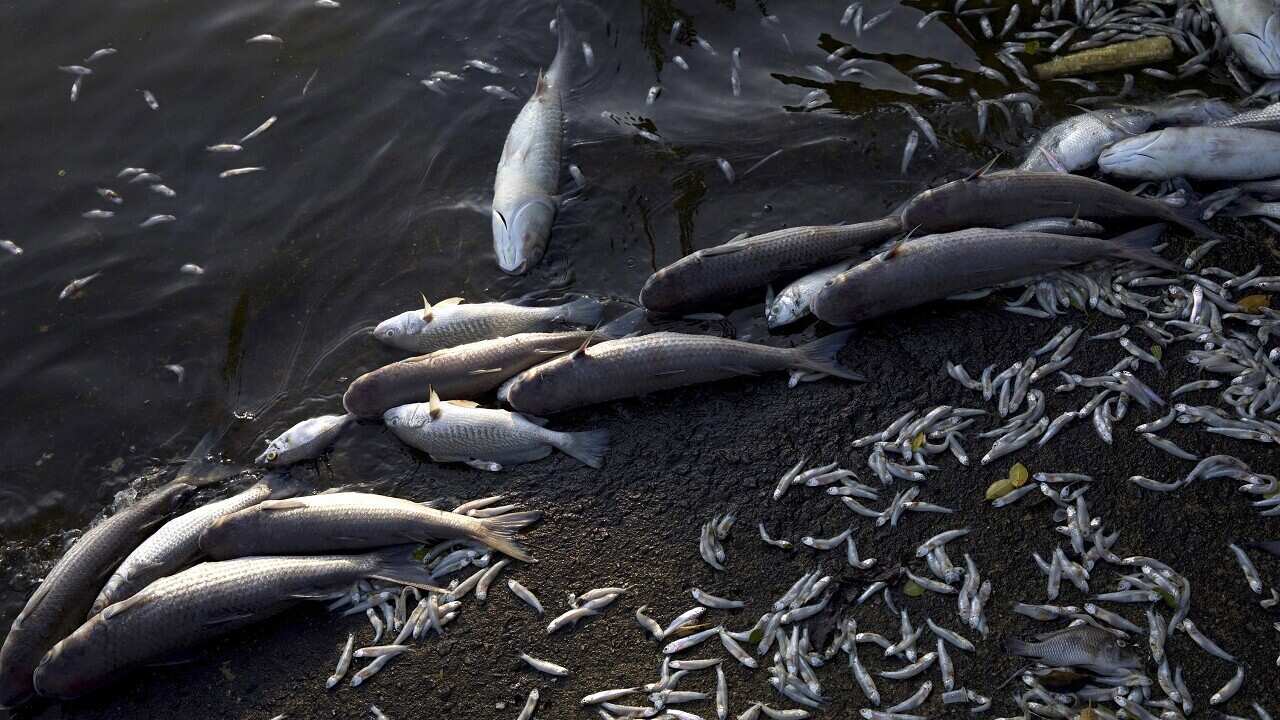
x=1265 y=118
x=1189 y=110
x=1081 y=646
x=453 y=432
x=1000 y=199
x=67 y=592
x=201 y=603
x=1253 y=29
x=939 y=266
x=1197 y=153
x=177 y=542
x=716 y=274
x=1075 y=143
x=451 y=322
x=339 y=521
x=463 y=372
x=640 y=365
x=525 y=189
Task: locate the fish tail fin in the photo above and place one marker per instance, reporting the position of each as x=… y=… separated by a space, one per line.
x=587 y=448
x=499 y=533
x=398 y=565
x=558 y=73
x=1136 y=245
x=1014 y=646
x=821 y=356
x=1189 y=218
x=624 y=325
x=583 y=311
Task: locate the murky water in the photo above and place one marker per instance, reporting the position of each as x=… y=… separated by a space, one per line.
x=376 y=189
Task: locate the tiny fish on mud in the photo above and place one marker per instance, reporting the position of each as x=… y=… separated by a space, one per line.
x=453 y=432
x=793 y=302
x=98 y=214
x=1083 y=646
x=75 y=286
x=304 y=441
x=99 y=54
x=452 y=322
x=266 y=124
x=234 y=172
x=191 y=269
x=500 y=92
x=352 y=521
x=640 y=365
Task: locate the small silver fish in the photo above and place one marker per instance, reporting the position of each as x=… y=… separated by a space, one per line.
x=500 y=92
x=484 y=66
x=224 y=148
x=99 y=54
x=150 y=99
x=156 y=220
x=75 y=69
x=165 y=190
x=191 y=269
x=305 y=440
x=10 y=247
x=98 y=214
x=266 y=124
x=75 y=286
x=234 y=172
x=265 y=39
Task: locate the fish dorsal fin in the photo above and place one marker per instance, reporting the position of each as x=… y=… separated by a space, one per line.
x=433 y=403
x=277 y=505
x=426 y=308
x=464 y=403
x=449 y=302
x=738 y=238
x=540 y=86
x=116 y=609
x=982 y=171
x=768 y=295
x=897 y=248
x=581 y=352
x=727 y=248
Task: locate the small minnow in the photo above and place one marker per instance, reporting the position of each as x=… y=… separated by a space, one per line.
x=265 y=39
x=150 y=99
x=687 y=642
x=376 y=651
x=156 y=220
x=910 y=671
x=191 y=269
x=529 y=706
x=525 y=594
x=1168 y=446
x=608 y=695
x=75 y=286
x=75 y=88
x=1230 y=689
x=178 y=371
x=239 y=171
x=588 y=55
x=939 y=540
x=1204 y=642
x=653 y=94
x=727 y=169
x=571 y=618
x=165 y=190
x=10 y=247
x=544 y=666
x=344 y=663
x=680 y=62
x=1250 y=572
x=683 y=619
x=500 y=92
x=224 y=148
x=327 y=3
x=79 y=70
x=482 y=65
x=99 y=54
x=648 y=624
x=97 y=214
x=145 y=177
x=719 y=603
x=109 y=194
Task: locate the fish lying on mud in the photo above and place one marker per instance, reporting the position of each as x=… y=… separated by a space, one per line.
x=640 y=365
x=1253 y=29
x=67 y=592
x=1196 y=153
x=1082 y=646
x=457 y=431
x=177 y=542
x=717 y=273
x=464 y=372
x=1075 y=143
x=939 y=266
x=1000 y=199
x=204 y=602
x=304 y=441
x=525 y=189
x=452 y=322
x=339 y=521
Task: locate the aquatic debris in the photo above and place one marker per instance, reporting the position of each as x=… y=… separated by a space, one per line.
x=1134 y=53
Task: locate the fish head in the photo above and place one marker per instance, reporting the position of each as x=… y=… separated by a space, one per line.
x=1260 y=50
x=275 y=452
x=520 y=239
x=73 y=666
x=1134 y=157
x=413 y=415
x=394 y=330
x=1118 y=655
x=1128 y=120
x=784 y=310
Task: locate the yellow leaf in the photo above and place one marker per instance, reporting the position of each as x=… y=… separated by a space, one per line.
x=1157 y=351
x=1254 y=303
x=911 y=589
x=917 y=442
x=999 y=489
x=1018 y=475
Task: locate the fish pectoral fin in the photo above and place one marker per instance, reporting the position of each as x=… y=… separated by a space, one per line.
x=485 y=371
x=485 y=465
x=116 y=609
x=288 y=504
x=667 y=373
x=232 y=617
x=726 y=249
x=539 y=421
x=348 y=538
x=464 y=403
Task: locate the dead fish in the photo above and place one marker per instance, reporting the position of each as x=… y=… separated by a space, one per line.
x=1196 y=153
x=204 y=602
x=60 y=603
x=99 y=54
x=304 y=441
x=266 y=125
x=178 y=371
x=458 y=431
x=452 y=322
x=1190 y=111
x=463 y=372
x=177 y=542
x=1075 y=143
x=528 y=175
x=336 y=521
x=75 y=286
x=1000 y=199
x=156 y=220
x=111 y=195
x=150 y=99
x=10 y=247
x=793 y=302
x=265 y=39
x=234 y=172
x=224 y=148
x=191 y=269
x=78 y=70
x=165 y=190
x=327 y=4
x=98 y=214
x=939 y=266
x=483 y=66
x=635 y=366
x=500 y=92
x=718 y=273
x=1082 y=646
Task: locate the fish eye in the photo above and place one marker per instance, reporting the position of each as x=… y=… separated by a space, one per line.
x=272 y=455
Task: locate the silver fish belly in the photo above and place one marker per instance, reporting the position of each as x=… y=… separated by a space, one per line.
x=1075 y=143
x=452 y=322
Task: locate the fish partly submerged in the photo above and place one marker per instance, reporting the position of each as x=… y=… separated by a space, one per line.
x=451 y=322
x=204 y=602
x=338 y=521
x=458 y=431
x=939 y=266
x=634 y=366
x=1081 y=646
x=305 y=440
x=177 y=542
x=525 y=189
x=715 y=274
